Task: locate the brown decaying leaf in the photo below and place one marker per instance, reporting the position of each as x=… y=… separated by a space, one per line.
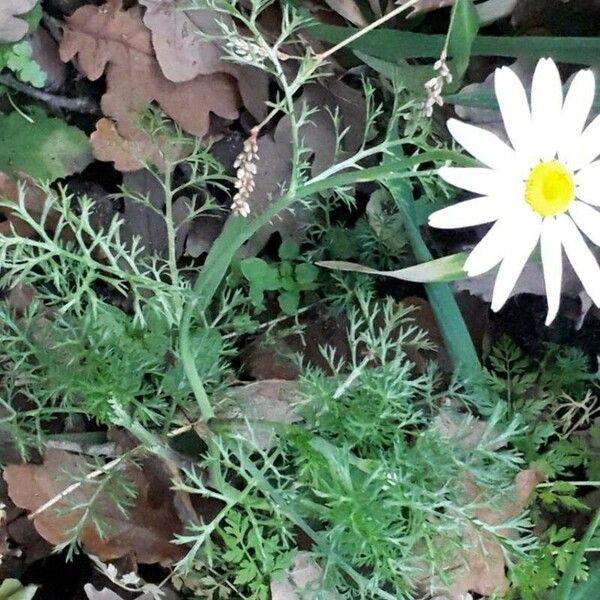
x=145 y=533
x=183 y=53
x=144 y=221
x=274 y=153
x=350 y=10
x=109 y=40
x=479 y=565
x=34 y=202
x=13 y=29
x=303 y=576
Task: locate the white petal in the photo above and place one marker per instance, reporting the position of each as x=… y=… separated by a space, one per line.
x=485 y=146
x=490 y=250
x=588 y=184
x=516 y=115
x=586 y=147
x=546 y=107
x=481 y=181
x=552 y=265
x=587 y=219
x=468 y=213
x=524 y=239
x=581 y=257
x=576 y=109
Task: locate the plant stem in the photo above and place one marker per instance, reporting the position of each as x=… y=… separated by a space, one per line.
x=172 y=254
x=398 y=10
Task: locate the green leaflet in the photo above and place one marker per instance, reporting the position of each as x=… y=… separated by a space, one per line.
x=13 y=589
x=46 y=149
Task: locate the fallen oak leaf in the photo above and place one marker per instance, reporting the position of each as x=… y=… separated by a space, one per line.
x=183 y=53
x=110 y=40
x=12 y=29
x=145 y=532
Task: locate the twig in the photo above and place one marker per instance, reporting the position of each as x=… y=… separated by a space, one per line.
x=80 y=105
x=69 y=490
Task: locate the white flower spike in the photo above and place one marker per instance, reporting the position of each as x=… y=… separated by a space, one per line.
x=542 y=189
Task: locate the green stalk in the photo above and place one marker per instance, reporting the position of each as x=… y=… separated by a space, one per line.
x=450 y=320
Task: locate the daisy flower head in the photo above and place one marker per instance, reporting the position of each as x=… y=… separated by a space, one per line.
x=544 y=187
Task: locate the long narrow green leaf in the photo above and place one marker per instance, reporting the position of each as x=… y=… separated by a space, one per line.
x=464 y=25
x=452 y=325
x=448 y=268
x=481 y=97
x=392 y=45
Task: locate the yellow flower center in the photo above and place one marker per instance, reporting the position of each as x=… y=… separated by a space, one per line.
x=550 y=188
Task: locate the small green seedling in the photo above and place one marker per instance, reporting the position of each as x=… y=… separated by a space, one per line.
x=289 y=277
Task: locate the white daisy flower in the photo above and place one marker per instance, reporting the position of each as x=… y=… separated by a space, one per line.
x=544 y=188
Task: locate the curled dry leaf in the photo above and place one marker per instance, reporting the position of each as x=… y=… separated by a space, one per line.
x=12 y=29
x=145 y=533
x=110 y=40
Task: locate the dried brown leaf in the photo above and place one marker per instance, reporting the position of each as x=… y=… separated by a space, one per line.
x=145 y=533
x=12 y=29
x=34 y=202
x=303 y=577
x=274 y=153
x=183 y=53
x=479 y=565
x=350 y=10
x=109 y=40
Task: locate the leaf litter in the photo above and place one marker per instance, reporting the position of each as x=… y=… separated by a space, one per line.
x=160 y=53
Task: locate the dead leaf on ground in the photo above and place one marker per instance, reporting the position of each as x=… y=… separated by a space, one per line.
x=479 y=565
x=144 y=533
x=35 y=199
x=12 y=29
x=255 y=408
x=350 y=10
x=425 y=319
x=202 y=233
x=93 y=593
x=110 y=40
x=183 y=53
x=274 y=153
x=145 y=221
x=264 y=360
x=302 y=581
